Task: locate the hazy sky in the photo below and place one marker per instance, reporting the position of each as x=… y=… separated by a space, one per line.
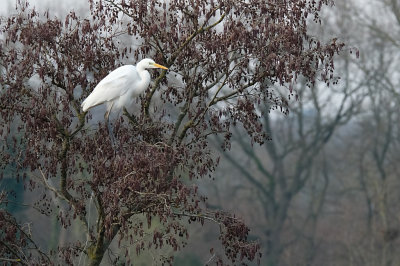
x=56 y=7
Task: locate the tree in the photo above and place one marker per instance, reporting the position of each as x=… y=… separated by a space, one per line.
x=371 y=164
x=292 y=170
x=221 y=56
x=280 y=170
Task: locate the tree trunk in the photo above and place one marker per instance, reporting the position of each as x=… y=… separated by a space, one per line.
x=96 y=251
x=274 y=246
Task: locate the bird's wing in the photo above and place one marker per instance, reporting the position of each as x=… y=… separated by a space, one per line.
x=114 y=85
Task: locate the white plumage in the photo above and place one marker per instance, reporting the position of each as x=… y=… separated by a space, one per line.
x=119 y=88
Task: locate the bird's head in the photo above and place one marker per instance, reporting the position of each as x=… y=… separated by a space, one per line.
x=149 y=63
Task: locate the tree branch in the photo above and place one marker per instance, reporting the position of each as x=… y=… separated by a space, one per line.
x=172 y=59
x=11 y=250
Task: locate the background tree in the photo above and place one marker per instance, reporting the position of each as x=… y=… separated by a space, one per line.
x=224 y=56
x=346 y=211
x=373 y=174
x=280 y=170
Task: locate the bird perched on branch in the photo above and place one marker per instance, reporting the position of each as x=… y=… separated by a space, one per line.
x=119 y=88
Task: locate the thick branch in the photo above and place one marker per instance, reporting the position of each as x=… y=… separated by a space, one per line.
x=11 y=250
x=153 y=89
x=248 y=176
x=178 y=122
x=251 y=153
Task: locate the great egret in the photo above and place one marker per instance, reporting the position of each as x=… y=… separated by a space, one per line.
x=119 y=88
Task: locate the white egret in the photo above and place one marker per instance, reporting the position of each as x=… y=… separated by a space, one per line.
x=119 y=88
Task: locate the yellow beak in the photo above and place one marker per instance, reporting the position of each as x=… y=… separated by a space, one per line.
x=159 y=66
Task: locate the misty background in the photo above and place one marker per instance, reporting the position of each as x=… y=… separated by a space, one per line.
x=326 y=189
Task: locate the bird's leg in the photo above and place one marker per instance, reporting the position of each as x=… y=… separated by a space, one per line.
x=109 y=127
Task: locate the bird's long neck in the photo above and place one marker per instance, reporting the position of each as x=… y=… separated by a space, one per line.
x=144 y=74
x=144 y=77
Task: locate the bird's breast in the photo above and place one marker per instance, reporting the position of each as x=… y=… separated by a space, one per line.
x=141 y=85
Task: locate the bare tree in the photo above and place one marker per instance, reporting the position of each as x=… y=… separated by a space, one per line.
x=281 y=170
x=365 y=197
